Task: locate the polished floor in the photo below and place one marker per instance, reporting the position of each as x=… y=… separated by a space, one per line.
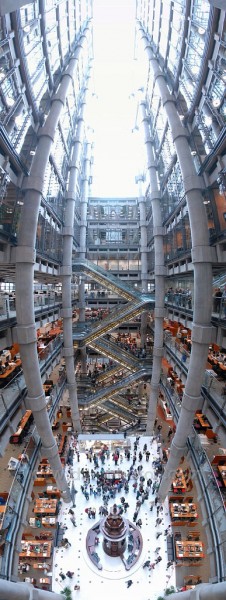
x=112 y=580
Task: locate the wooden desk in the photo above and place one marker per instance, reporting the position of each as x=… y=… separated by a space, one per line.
x=186 y=511
x=205 y=424
x=45 y=580
x=49 y=521
x=222 y=471
x=10 y=369
x=42 y=566
x=44 y=471
x=18 y=435
x=187 y=549
x=34 y=549
x=179 y=484
x=45 y=506
x=2 y=512
x=53 y=491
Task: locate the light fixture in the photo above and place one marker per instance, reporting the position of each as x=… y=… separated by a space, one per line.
x=201 y=31
x=193 y=152
x=216 y=102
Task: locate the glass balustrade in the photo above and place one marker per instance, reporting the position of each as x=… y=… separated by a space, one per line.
x=104 y=394
x=18 y=491
x=105 y=277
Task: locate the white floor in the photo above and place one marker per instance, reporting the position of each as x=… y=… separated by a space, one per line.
x=111 y=581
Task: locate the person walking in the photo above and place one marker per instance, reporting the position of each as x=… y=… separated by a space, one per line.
x=146 y=564
x=62 y=576
x=158 y=560
x=70 y=574
x=129 y=583
x=139 y=523
x=72 y=519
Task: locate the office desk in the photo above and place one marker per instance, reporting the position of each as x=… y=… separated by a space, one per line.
x=44 y=471
x=179 y=483
x=34 y=549
x=53 y=491
x=2 y=512
x=49 y=521
x=10 y=369
x=186 y=511
x=186 y=549
x=18 y=435
x=203 y=421
x=45 y=506
x=222 y=471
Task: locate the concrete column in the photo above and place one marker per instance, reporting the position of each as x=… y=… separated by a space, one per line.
x=160 y=272
x=24 y=591
x=143 y=257
x=83 y=228
x=8 y=6
x=204 y=591
x=202 y=262
x=66 y=271
x=25 y=259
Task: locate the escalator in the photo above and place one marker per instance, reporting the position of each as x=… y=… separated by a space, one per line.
x=92 y=331
x=107 y=392
x=92 y=335
x=109 y=281
x=119 y=355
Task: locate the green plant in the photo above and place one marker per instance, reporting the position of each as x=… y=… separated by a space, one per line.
x=67 y=593
x=169 y=590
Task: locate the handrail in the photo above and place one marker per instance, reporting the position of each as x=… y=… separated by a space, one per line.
x=220 y=562
x=109 y=280
x=103 y=394
x=11 y=409
x=111 y=322
x=194 y=444
x=15 y=522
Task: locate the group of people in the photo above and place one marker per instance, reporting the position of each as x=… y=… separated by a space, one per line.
x=95 y=484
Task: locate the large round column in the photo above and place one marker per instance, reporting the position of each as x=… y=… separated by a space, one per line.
x=202 y=263
x=143 y=257
x=66 y=270
x=24 y=591
x=160 y=272
x=25 y=259
x=83 y=229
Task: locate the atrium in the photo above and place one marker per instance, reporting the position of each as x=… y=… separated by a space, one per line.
x=112 y=299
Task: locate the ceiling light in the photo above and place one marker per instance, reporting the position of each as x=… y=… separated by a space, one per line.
x=216 y=102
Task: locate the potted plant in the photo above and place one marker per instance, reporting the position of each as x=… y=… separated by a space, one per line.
x=67 y=593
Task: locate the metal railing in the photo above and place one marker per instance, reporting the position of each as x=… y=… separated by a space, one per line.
x=20 y=485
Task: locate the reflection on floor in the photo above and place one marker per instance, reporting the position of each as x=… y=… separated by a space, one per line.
x=112 y=580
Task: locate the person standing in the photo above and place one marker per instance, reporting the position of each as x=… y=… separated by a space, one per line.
x=129 y=583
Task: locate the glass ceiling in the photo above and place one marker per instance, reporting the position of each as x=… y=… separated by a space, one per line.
x=118 y=151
